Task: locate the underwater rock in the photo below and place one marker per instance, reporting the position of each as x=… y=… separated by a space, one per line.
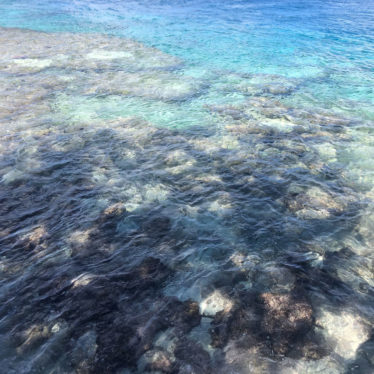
x=278 y=89
x=274 y=84
x=179 y=162
x=253 y=128
x=25 y=51
x=327 y=364
x=316 y=203
x=201 y=335
x=245 y=359
x=127 y=314
x=275 y=279
x=31 y=338
x=214 y=303
x=230 y=113
x=36 y=237
x=167 y=340
x=155 y=85
x=227 y=205
x=97 y=296
x=154 y=192
x=205 y=144
x=116 y=347
x=344 y=332
x=221 y=205
x=257 y=84
x=259 y=116
x=51 y=351
x=178 y=157
x=116 y=209
x=83 y=353
x=85 y=62
x=286 y=319
x=80 y=238
x=97 y=239
x=364 y=360
x=280 y=320
x=365 y=231
x=29 y=65
x=310 y=347
x=228 y=142
x=183 y=315
x=135 y=334
x=245 y=263
x=109 y=219
x=157 y=227
x=193 y=358
x=150 y=272
x=25 y=99
x=279 y=125
x=326 y=150
x=326 y=119
x=157 y=360
x=276 y=116
x=240 y=321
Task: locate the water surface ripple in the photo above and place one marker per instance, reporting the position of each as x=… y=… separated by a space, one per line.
x=186 y=187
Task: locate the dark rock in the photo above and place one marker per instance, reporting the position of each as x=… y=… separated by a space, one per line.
x=90 y=302
x=276 y=321
x=157 y=227
x=183 y=315
x=194 y=359
x=158 y=360
x=149 y=273
x=117 y=345
x=134 y=328
x=364 y=360
x=285 y=319
x=310 y=347
x=114 y=210
x=240 y=321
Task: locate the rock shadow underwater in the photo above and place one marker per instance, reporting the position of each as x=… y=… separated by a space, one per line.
x=240 y=245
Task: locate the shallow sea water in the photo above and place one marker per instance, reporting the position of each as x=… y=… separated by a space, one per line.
x=186 y=187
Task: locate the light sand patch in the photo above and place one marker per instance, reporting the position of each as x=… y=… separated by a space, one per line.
x=214 y=303
x=345 y=332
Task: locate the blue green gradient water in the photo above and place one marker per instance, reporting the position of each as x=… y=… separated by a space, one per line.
x=327 y=44
x=186 y=187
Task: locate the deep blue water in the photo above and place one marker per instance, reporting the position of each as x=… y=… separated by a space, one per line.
x=187 y=186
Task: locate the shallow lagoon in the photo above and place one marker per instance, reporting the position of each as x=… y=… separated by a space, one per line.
x=171 y=203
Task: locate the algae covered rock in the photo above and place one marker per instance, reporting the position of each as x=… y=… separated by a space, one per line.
x=155 y=85
x=25 y=51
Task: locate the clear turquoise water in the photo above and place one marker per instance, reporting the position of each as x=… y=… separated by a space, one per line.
x=187 y=186
x=328 y=45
